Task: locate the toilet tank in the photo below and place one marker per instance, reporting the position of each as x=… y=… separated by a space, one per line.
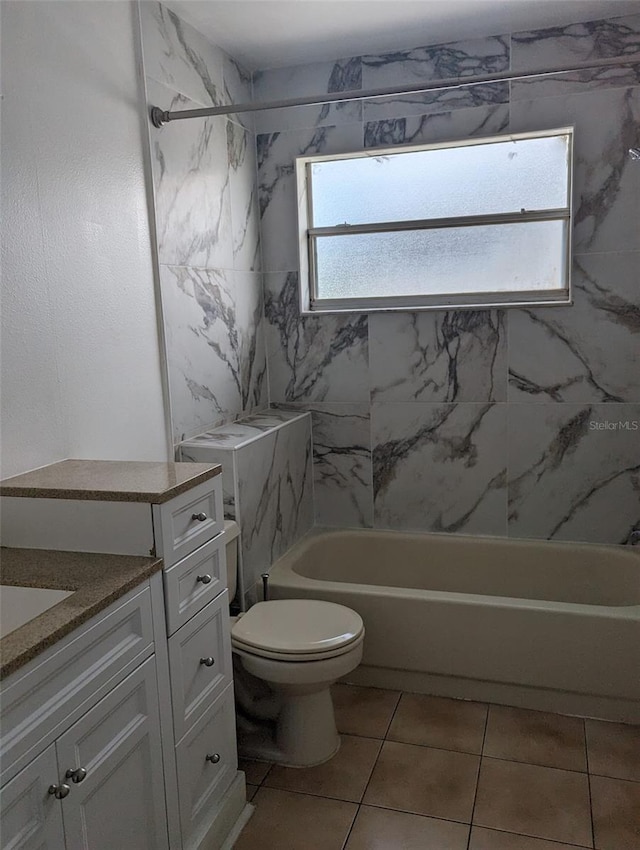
x=231 y=534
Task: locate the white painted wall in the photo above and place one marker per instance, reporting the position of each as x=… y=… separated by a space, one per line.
x=81 y=373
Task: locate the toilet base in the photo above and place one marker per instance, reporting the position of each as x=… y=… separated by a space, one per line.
x=292 y=724
x=304 y=734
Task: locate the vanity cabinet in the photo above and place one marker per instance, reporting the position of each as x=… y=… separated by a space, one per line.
x=99 y=786
x=89 y=708
x=141 y=697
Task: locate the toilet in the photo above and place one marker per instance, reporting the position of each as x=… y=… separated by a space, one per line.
x=287 y=654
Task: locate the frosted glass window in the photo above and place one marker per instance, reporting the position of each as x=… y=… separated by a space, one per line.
x=499 y=177
x=496 y=258
x=485 y=221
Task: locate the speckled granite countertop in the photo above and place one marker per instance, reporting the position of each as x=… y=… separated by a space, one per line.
x=110 y=480
x=96 y=579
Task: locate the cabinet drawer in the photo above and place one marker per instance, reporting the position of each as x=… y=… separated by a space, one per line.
x=59 y=686
x=202 y=781
x=194 y=582
x=188 y=521
x=195 y=682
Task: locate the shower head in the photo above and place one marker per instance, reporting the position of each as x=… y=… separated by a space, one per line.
x=634 y=153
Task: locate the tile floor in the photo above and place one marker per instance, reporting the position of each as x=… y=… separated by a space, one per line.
x=425 y=773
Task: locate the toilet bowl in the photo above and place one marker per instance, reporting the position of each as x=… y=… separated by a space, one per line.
x=297 y=648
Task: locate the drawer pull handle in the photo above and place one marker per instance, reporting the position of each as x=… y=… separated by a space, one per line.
x=77 y=775
x=200 y=517
x=214 y=759
x=59 y=791
x=204 y=579
x=208 y=662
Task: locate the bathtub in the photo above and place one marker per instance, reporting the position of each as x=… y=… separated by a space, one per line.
x=537 y=624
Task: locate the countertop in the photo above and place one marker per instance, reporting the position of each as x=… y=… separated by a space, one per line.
x=110 y=480
x=96 y=579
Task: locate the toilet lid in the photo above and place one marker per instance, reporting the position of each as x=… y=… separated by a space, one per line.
x=297 y=626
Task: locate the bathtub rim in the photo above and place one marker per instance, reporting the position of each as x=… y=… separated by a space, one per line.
x=282 y=573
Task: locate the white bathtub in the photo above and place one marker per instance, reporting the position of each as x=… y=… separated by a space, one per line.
x=552 y=626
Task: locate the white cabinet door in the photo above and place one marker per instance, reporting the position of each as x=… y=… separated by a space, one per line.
x=119 y=802
x=31 y=818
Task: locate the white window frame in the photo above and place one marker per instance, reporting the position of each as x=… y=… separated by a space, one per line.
x=310 y=304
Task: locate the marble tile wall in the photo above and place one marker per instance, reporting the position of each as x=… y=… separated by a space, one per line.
x=267 y=484
x=500 y=422
x=207 y=224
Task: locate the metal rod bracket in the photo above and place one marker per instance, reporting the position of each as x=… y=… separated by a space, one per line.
x=159 y=117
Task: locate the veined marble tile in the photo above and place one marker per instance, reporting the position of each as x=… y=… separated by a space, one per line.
x=180 y=57
x=274 y=495
x=201 y=347
x=251 y=353
x=189 y=451
x=312 y=358
x=563 y=46
x=444 y=126
x=236 y=435
x=440 y=467
x=342 y=473
x=277 y=185
x=458 y=355
x=574 y=471
x=438 y=126
x=606 y=181
x=238 y=88
x=243 y=187
x=456 y=59
x=431 y=103
x=215 y=345
x=588 y=352
x=267 y=482
x=191 y=182
x=308 y=80
x=219 y=444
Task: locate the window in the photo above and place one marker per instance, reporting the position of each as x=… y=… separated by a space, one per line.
x=480 y=222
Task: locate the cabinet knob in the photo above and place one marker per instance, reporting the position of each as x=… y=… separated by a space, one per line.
x=59 y=791
x=200 y=517
x=214 y=759
x=77 y=775
x=206 y=579
x=208 y=662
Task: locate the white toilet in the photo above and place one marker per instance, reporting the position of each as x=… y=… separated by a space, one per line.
x=298 y=648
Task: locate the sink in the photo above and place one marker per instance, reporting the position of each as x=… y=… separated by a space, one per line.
x=18 y=605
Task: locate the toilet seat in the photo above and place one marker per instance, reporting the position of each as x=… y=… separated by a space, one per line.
x=297 y=630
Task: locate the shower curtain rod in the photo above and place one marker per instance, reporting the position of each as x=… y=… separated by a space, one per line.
x=159 y=117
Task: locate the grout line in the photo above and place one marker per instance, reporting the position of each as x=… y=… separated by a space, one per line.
x=475 y=796
x=615 y=778
x=417 y=814
x=348 y=835
x=493 y=758
x=586 y=756
x=536 y=764
x=535 y=838
x=393 y=714
x=366 y=787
